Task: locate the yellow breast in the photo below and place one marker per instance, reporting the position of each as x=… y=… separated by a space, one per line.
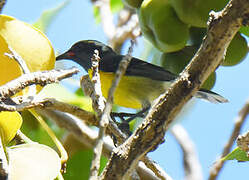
x=132 y=91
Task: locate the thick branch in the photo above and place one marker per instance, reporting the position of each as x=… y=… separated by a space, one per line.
x=222 y=28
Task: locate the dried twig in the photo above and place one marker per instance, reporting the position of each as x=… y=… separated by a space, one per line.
x=18 y=59
x=14 y=55
x=192 y=165
x=98 y=106
x=222 y=28
x=155 y=168
x=42 y=78
x=105 y=113
x=239 y=121
x=2 y=3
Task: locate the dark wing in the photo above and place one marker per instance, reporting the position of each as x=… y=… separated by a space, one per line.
x=136 y=67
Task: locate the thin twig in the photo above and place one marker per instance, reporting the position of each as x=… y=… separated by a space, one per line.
x=22 y=138
x=98 y=106
x=42 y=78
x=50 y=103
x=2 y=3
x=156 y=169
x=14 y=55
x=105 y=114
x=192 y=165
x=239 y=121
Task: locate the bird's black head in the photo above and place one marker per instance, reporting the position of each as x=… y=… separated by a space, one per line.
x=82 y=52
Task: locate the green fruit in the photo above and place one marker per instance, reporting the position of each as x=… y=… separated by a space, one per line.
x=196 y=35
x=175 y=62
x=196 y=12
x=161 y=26
x=236 y=51
x=133 y=3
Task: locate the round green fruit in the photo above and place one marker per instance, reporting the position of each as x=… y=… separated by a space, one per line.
x=196 y=12
x=161 y=26
x=133 y=3
x=175 y=62
x=236 y=51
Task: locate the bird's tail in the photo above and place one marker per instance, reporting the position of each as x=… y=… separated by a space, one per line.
x=210 y=96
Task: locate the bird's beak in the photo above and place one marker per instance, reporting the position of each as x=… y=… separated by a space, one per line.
x=66 y=55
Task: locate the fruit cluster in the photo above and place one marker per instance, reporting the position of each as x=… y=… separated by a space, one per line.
x=177 y=27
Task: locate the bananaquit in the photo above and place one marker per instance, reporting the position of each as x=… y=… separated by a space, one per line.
x=141 y=84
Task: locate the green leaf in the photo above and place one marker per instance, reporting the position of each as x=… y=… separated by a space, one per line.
x=116 y=5
x=245 y=30
x=48 y=16
x=237 y=154
x=79 y=165
x=96 y=15
x=79 y=92
x=34 y=131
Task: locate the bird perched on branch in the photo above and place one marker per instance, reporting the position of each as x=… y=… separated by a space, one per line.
x=142 y=82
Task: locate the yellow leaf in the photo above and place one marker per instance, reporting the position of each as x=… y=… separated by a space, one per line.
x=10 y=123
x=31 y=44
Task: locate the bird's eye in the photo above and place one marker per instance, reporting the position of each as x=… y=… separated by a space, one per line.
x=70 y=53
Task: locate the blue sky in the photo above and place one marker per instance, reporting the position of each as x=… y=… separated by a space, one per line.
x=209 y=125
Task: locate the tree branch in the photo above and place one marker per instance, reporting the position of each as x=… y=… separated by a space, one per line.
x=2 y=3
x=88 y=137
x=239 y=121
x=99 y=105
x=221 y=30
x=192 y=165
x=14 y=55
x=42 y=78
x=104 y=114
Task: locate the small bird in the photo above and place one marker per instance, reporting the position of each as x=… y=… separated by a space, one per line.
x=142 y=82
